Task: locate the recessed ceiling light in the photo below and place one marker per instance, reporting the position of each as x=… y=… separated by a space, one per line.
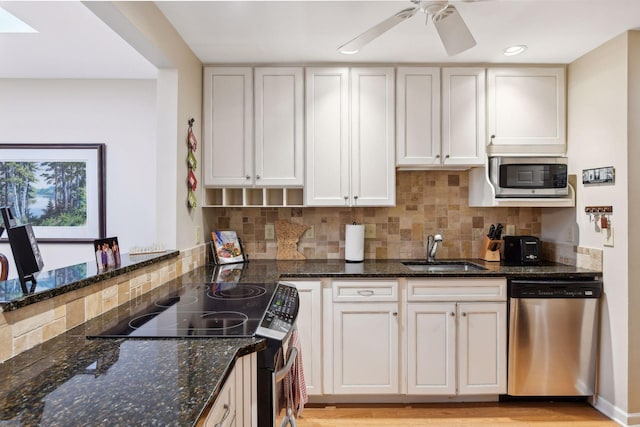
x=11 y=24
x=514 y=50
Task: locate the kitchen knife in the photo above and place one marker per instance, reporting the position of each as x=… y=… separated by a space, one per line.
x=492 y=230
x=498 y=233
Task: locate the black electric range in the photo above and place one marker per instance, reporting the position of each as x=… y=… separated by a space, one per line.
x=209 y=311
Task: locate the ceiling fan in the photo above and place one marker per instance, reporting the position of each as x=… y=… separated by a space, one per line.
x=453 y=32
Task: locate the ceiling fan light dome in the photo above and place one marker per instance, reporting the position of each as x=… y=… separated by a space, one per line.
x=514 y=50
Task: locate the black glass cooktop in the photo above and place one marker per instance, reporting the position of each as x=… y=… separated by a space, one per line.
x=200 y=310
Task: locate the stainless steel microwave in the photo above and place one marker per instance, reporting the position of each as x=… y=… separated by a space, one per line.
x=529 y=176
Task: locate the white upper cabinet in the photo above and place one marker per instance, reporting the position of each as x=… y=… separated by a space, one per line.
x=279 y=136
x=463 y=116
x=350 y=137
x=433 y=135
x=418 y=116
x=228 y=126
x=526 y=111
x=233 y=158
x=373 y=176
x=327 y=141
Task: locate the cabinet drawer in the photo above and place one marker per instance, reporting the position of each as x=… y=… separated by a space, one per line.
x=369 y=290
x=456 y=289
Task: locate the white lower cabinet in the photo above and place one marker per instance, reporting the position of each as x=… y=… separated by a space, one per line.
x=456 y=348
x=223 y=411
x=237 y=402
x=456 y=341
x=365 y=337
x=412 y=337
x=309 y=324
x=365 y=345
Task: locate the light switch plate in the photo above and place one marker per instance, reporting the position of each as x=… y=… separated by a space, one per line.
x=510 y=230
x=269 y=232
x=310 y=233
x=370 y=231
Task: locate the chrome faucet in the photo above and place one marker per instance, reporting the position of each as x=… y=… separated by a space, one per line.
x=432 y=246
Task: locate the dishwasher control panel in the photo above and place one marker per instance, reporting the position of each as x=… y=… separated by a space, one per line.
x=555 y=288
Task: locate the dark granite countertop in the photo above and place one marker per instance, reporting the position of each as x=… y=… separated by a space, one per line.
x=59 y=281
x=72 y=380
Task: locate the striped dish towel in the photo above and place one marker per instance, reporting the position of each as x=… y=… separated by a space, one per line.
x=295 y=388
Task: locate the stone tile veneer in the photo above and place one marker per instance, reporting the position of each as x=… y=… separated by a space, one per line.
x=579 y=256
x=428 y=202
x=37 y=323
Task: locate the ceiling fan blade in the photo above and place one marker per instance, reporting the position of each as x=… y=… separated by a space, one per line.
x=453 y=32
x=353 y=46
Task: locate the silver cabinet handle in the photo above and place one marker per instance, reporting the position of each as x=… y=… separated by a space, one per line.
x=227 y=411
x=452 y=314
x=365 y=292
x=437 y=156
x=464 y=314
x=355 y=200
x=257 y=176
x=447 y=156
x=395 y=314
x=247 y=177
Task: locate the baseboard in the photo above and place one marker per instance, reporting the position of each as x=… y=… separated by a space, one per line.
x=616 y=414
x=394 y=399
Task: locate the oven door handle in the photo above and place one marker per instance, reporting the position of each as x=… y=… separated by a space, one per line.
x=292 y=353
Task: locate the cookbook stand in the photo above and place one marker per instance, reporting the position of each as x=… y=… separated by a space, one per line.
x=491 y=249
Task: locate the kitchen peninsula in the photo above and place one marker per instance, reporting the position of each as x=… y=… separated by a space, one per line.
x=72 y=380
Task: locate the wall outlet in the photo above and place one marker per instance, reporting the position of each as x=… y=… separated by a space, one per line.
x=269 y=232
x=198 y=234
x=310 y=233
x=510 y=230
x=607 y=233
x=370 y=231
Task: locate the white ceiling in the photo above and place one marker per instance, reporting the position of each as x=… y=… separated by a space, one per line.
x=74 y=43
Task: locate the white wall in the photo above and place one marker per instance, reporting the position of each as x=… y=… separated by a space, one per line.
x=118 y=113
x=600 y=127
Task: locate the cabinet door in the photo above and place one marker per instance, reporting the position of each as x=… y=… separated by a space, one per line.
x=463 y=116
x=223 y=411
x=278 y=126
x=482 y=348
x=228 y=126
x=431 y=348
x=309 y=324
x=418 y=116
x=327 y=137
x=373 y=172
x=526 y=110
x=365 y=347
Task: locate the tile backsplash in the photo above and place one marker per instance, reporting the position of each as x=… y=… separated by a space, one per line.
x=428 y=202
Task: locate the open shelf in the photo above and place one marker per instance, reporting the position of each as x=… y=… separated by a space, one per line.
x=253 y=197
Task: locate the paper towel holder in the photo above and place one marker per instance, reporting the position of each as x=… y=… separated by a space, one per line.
x=354 y=243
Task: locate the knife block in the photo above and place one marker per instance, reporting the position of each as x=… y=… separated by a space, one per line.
x=491 y=255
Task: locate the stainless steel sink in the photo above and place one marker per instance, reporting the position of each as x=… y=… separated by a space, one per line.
x=442 y=266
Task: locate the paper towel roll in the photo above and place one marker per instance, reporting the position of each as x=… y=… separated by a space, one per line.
x=354 y=243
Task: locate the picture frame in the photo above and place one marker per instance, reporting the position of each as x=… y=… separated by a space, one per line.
x=65 y=188
x=227 y=248
x=107 y=253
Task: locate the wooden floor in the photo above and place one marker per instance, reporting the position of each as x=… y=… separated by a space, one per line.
x=573 y=414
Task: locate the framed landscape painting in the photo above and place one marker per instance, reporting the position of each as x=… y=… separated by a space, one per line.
x=57 y=188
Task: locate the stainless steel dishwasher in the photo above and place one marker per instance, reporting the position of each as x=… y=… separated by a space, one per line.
x=553 y=337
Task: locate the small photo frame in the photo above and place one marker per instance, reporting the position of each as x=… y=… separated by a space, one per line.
x=227 y=248
x=107 y=253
